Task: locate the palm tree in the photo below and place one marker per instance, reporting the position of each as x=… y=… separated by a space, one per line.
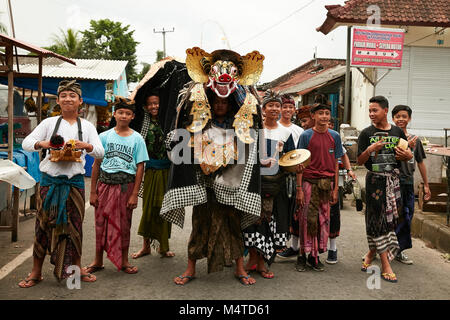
x=3 y=28
x=67 y=43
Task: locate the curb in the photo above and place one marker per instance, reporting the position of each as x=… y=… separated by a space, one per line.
x=427 y=229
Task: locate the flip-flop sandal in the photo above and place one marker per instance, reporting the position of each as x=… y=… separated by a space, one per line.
x=365 y=266
x=241 y=279
x=388 y=276
x=87 y=276
x=30 y=282
x=130 y=269
x=190 y=278
x=92 y=269
x=266 y=272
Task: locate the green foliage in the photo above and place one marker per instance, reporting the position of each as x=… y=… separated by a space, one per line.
x=67 y=44
x=159 y=55
x=106 y=39
x=145 y=68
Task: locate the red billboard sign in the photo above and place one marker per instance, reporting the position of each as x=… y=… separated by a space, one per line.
x=377 y=47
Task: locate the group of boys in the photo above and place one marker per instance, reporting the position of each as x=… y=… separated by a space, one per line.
x=318 y=215
x=119 y=155
x=118 y=170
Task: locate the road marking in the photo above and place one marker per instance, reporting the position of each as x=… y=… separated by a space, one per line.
x=21 y=258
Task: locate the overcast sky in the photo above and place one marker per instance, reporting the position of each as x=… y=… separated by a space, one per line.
x=210 y=24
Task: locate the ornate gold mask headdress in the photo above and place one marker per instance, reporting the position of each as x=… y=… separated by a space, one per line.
x=222 y=70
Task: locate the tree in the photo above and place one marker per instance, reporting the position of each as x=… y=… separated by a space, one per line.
x=67 y=44
x=145 y=68
x=3 y=28
x=106 y=39
x=159 y=55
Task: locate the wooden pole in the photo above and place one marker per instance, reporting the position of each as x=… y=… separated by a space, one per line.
x=15 y=215
x=39 y=99
x=347 y=97
x=9 y=59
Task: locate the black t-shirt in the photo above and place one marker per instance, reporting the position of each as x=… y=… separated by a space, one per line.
x=408 y=167
x=385 y=159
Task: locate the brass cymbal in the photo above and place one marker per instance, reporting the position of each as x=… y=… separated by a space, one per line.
x=402 y=144
x=291 y=159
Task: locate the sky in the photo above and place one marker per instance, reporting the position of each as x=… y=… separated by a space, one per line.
x=284 y=31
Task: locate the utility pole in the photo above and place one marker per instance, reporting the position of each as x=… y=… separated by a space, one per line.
x=164 y=38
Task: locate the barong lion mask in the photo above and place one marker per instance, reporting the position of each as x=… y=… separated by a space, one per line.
x=222 y=70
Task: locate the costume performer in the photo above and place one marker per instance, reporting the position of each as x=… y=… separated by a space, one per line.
x=378 y=151
x=204 y=174
x=271 y=231
x=115 y=186
x=156 y=93
x=317 y=187
x=59 y=222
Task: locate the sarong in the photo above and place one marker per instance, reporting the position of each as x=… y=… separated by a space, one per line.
x=403 y=229
x=216 y=234
x=309 y=243
x=335 y=220
x=382 y=206
x=152 y=225
x=113 y=220
x=63 y=241
x=270 y=232
x=291 y=184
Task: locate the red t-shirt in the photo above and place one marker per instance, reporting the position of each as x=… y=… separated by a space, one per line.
x=325 y=148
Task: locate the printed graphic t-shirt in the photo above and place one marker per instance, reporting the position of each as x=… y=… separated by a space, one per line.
x=385 y=160
x=122 y=154
x=408 y=167
x=325 y=148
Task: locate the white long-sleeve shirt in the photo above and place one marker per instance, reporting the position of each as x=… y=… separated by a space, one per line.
x=43 y=132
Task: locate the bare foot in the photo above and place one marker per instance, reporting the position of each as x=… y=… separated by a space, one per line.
x=167 y=254
x=88 y=277
x=141 y=253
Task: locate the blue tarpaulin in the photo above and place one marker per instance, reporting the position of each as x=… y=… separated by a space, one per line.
x=93 y=91
x=27 y=159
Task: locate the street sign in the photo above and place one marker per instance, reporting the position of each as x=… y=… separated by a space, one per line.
x=377 y=47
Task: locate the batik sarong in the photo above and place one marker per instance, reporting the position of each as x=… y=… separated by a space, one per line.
x=216 y=234
x=383 y=202
x=403 y=229
x=58 y=228
x=314 y=219
x=113 y=220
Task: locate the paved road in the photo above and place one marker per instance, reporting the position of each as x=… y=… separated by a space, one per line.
x=426 y=279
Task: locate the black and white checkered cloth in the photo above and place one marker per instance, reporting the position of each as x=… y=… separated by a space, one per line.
x=262 y=243
x=175 y=200
x=280 y=239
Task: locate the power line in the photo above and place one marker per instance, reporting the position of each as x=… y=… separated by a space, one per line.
x=276 y=24
x=164 y=38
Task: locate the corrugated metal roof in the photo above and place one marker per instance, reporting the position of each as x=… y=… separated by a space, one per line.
x=93 y=69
